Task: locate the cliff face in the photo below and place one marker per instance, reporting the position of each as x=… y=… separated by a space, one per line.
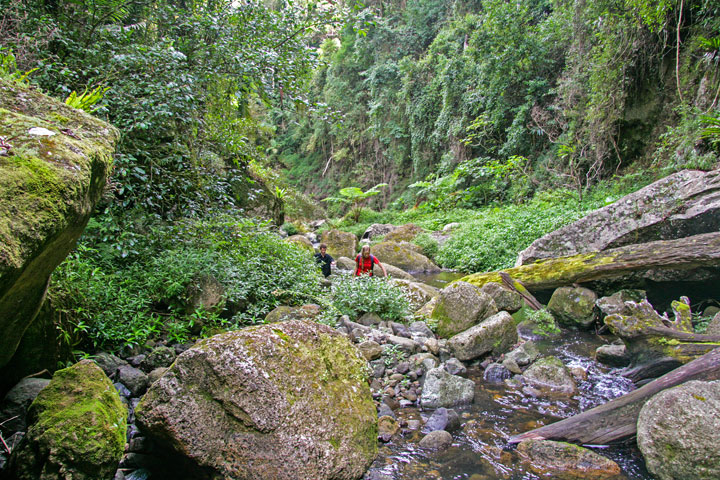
x=54 y=163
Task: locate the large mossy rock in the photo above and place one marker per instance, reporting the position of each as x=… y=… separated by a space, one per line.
x=550 y=373
x=442 y=389
x=681 y=205
x=404 y=256
x=573 y=306
x=340 y=244
x=49 y=182
x=77 y=428
x=678 y=431
x=461 y=306
x=496 y=334
x=565 y=461
x=282 y=401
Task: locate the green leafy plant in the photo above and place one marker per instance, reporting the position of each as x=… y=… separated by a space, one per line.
x=356 y=296
x=9 y=68
x=87 y=100
x=356 y=198
x=544 y=321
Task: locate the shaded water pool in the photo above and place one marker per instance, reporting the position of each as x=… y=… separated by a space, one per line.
x=480 y=450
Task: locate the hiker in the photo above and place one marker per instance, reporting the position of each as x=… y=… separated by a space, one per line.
x=364 y=263
x=324 y=260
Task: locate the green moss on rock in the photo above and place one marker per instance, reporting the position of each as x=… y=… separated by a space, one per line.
x=77 y=428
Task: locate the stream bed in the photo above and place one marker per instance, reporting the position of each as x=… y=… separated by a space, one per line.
x=480 y=450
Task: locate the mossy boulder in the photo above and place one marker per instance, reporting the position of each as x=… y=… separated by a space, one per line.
x=302 y=241
x=403 y=233
x=77 y=428
x=50 y=181
x=340 y=244
x=573 y=306
x=404 y=256
x=681 y=205
x=461 y=306
x=495 y=334
x=505 y=299
x=550 y=373
x=678 y=431
x=565 y=461
x=283 y=401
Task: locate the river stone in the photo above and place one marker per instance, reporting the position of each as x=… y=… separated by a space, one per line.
x=403 y=233
x=678 y=431
x=505 y=299
x=496 y=373
x=614 y=355
x=565 y=461
x=341 y=244
x=13 y=408
x=302 y=241
x=387 y=427
x=525 y=354
x=681 y=205
x=159 y=357
x=133 y=378
x=550 y=372
x=395 y=272
x=371 y=350
x=574 y=306
x=418 y=293
x=48 y=188
x=442 y=389
x=455 y=367
x=282 y=401
x=460 y=306
x=403 y=256
x=495 y=334
x=615 y=303
x=378 y=230
x=77 y=427
x=345 y=263
x=436 y=440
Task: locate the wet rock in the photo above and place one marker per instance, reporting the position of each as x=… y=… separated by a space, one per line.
x=384 y=410
x=442 y=389
x=459 y=307
x=525 y=354
x=613 y=355
x=133 y=378
x=371 y=350
x=387 y=427
x=615 y=303
x=512 y=366
x=78 y=427
x=551 y=373
x=436 y=440
x=565 y=461
x=247 y=404
x=573 y=306
x=496 y=373
x=495 y=334
x=678 y=431
x=442 y=419
x=109 y=363
x=13 y=409
x=158 y=357
x=505 y=299
x=455 y=367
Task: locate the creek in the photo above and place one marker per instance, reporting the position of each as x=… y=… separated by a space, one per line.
x=480 y=450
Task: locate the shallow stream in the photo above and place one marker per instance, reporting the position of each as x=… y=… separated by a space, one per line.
x=480 y=450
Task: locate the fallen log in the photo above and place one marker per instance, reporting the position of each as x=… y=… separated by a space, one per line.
x=617 y=420
x=684 y=254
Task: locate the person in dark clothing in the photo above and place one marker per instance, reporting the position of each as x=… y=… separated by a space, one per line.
x=324 y=260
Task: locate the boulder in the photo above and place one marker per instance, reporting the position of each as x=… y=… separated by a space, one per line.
x=573 y=306
x=459 y=307
x=713 y=327
x=436 y=440
x=204 y=292
x=396 y=273
x=495 y=334
x=551 y=373
x=283 y=313
x=77 y=427
x=505 y=299
x=612 y=355
x=49 y=185
x=681 y=205
x=159 y=357
x=442 y=389
x=403 y=256
x=378 y=230
x=565 y=461
x=615 y=303
x=13 y=408
x=284 y=401
x=678 y=431
x=341 y=244
x=345 y=263
x=418 y=293
x=302 y=241
x=403 y=233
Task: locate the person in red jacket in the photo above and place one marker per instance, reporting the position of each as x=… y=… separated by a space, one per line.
x=365 y=262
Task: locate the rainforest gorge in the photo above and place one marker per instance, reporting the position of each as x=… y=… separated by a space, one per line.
x=538 y=178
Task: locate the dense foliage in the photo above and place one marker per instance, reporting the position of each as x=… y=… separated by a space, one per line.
x=356 y=296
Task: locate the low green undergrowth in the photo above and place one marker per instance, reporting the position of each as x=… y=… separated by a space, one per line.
x=112 y=301
x=355 y=296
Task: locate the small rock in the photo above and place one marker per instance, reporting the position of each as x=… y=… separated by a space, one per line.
x=133 y=378
x=437 y=421
x=371 y=350
x=400 y=329
x=613 y=355
x=387 y=427
x=369 y=319
x=403 y=368
x=455 y=367
x=385 y=411
x=496 y=373
x=437 y=440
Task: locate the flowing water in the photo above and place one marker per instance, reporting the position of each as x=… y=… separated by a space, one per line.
x=480 y=450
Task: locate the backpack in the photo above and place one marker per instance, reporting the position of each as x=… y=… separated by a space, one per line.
x=372 y=264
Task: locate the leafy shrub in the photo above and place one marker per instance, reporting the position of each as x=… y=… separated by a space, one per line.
x=356 y=296
x=126 y=303
x=544 y=321
x=428 y=244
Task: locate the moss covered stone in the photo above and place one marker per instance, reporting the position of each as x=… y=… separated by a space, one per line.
x=48 y=187
x=459 y=307
x=283 y=401
x=77 y=428
x=403 y=255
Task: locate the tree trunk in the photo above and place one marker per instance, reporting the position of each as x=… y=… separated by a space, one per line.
x=699 y=251
x=617 y=419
